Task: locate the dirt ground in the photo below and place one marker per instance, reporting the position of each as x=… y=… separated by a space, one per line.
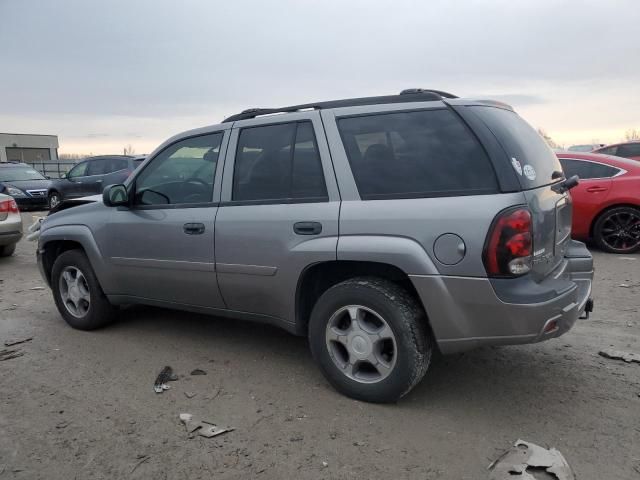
x=81 y=404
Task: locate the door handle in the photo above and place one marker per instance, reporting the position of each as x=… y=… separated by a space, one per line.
x=307 y=228
x=596 y=189
x=193 y=228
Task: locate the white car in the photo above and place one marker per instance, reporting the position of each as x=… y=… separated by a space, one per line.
x=10 y=225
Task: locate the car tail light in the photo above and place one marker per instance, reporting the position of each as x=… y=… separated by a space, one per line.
x=8 y=206
x=508 y=250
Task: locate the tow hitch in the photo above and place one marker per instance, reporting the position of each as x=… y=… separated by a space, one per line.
x=588 y=308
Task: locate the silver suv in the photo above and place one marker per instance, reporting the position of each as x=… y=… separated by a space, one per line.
x=384 y=229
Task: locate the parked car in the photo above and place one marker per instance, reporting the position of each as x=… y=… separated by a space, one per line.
x=382 y=228
x=25 y=184
x=90 y=176
x=10 y=225
x=606 y=203
x=627 y=150
x=586 y=147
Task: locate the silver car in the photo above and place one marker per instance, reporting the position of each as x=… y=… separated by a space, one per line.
x=10 y=225
x=384 y=229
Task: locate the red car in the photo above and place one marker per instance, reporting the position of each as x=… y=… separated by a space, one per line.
x=626 y=150
x=606 y=203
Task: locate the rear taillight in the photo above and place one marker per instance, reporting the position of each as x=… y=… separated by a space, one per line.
x=509 y=247
x=8 y=206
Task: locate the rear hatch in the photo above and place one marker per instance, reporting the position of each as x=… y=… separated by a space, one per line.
x=535 y=165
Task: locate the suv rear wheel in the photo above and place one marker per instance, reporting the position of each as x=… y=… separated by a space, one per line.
x=370 y=339
x=78 y=294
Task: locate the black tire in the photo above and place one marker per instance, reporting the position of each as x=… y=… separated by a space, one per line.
x=7 y=250
x=100 y=312
x=618 y=230
x=54 y=199
x=401 y=312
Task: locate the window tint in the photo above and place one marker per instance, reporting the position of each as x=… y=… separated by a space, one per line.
x=522 y=142
x=629 y=150
x=183 y=173
x=99 y=166
x=79 y=170
x=118 y=164
x=420 y=153
x=586 y=170
x=278 y=162
x=607 y=150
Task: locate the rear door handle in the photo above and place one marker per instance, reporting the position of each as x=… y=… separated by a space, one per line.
x=193 y=228
x=307 y=228
x=596 y=189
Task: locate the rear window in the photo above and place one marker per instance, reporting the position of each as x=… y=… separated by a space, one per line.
x=415 y=154
x=531 y=157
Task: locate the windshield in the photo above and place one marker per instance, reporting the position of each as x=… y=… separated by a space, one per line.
x=13 y=174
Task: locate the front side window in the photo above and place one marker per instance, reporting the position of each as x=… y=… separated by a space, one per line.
x=607 y=150
x=79 y=170
x=415 y=154
x=586 y=170
x=278 y=163
x=183 y=173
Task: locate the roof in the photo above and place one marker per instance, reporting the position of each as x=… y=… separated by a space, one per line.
x=409 y=95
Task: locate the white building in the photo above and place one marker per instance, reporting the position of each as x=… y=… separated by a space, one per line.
x=17 y=147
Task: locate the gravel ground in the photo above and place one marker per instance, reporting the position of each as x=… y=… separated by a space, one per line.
x=81 y=404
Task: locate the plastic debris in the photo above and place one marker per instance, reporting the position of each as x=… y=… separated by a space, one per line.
x=166 y=375
x=619 y=355
x=190 y=394
x=11 y=343
x=201 y=427
x=198 y=371
x=525 y=458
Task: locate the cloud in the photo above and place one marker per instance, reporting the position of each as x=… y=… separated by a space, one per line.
x=167 y=60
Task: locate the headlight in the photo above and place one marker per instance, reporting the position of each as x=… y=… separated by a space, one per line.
x=15 y=192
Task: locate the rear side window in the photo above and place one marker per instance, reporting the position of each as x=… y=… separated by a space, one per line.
x=415 y=154
x=99 y=166
x=531 y=157
x=629 y=150
x=278 y=163
x=119 y=164
x=586 y=170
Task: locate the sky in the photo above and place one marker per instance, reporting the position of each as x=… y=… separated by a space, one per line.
x=105 y=74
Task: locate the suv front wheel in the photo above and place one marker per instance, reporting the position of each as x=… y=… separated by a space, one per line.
x=77 y=293
x=370 y=339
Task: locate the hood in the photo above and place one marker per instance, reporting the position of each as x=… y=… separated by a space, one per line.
x=74 y=202
x=25 y=185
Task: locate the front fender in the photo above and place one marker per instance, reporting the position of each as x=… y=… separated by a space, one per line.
x=82 y=235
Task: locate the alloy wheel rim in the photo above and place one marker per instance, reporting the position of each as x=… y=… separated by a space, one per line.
x=74 y=291
x=621 y=231
x=361 y=344
x=54 y=201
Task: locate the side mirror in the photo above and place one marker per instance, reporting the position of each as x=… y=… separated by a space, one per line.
x=115 y=195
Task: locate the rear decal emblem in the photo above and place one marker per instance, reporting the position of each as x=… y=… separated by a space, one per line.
x=516 y=165
x=529 y=172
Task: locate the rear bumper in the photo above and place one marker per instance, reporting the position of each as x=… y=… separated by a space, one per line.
x=467 y=312
x=9 y=238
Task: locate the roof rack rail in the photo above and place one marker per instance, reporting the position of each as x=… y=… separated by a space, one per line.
x=410 y=95
x=411 y=91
